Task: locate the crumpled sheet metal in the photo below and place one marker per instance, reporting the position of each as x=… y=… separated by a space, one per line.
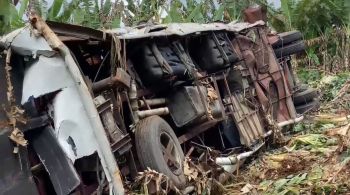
x=179 y=29
x=46 y=74
x=71 y=121
x=72 y=126
x=24 y=42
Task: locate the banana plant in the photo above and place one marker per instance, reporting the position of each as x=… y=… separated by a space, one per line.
x=312 y=17
x=10 y=17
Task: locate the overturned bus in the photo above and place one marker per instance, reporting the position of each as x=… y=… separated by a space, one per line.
x=85 y=110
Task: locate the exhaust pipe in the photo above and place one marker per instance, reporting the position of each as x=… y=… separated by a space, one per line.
x=291 y=121
x=229 y=163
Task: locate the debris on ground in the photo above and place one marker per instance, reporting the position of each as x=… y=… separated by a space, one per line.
x=314 y=161
x=311 y=163
x=150 y=181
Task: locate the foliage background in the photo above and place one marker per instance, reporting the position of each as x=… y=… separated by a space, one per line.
x=325 y=24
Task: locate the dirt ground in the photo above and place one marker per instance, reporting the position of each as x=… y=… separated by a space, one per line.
x=314 y=160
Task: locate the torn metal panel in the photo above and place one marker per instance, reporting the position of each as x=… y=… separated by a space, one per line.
x=24 y=42
x=179 y=29
x=61 y=171
x=72 y=126
x=45 y=75
x=75 y=32
x=77 y=124
x=121 y=78
x=264 y=54
x=49 y=74
x=104 y=151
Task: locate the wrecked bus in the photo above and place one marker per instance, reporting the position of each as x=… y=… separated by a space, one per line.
x=84 y=110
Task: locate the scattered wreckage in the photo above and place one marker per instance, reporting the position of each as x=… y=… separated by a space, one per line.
x=85 y=110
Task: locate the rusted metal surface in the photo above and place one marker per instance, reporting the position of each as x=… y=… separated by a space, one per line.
x=121 y=78
x=254 y=14
x=264 y=70
x=272 y=39
x=288 y=73
x=286 y=110
x=246 y=119
x=105 y=109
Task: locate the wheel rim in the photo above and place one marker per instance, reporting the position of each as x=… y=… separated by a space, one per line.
x=171 y=154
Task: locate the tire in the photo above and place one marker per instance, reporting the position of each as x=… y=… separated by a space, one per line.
x=305 y=96
x=302 y=109
x=151 y=134
x=290 y=49
x=286 y=38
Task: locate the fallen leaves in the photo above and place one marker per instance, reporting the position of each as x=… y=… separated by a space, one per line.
x=332 y=118
x=204 y=180
x=314 y=163
x=284 y=164
x=342 y=131
x=248 y=188
x=199 y=180
x=152 y=182
x=312 y=141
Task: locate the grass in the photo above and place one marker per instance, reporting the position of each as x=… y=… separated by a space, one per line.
x=328 y=84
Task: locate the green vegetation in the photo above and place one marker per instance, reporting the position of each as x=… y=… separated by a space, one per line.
x=316 y=162
x=324 y=23
x=311 y=162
